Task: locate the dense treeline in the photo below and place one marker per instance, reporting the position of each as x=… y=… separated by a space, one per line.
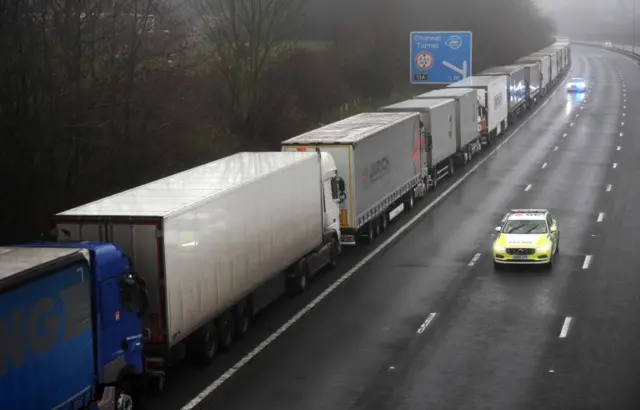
x=99 y=96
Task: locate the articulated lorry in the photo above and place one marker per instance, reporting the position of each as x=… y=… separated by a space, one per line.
x=562 y=58
x=553 y=65
x=544 y=69
x=379 y=157
x=517 y=90
x=71 y=327
x=439 y=130
x=564 y=42
x=468 y=119
x=492 y=98
x=532 y=82
x=217 y=243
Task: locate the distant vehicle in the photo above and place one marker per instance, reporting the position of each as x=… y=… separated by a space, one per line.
x=607 y=44
x=577 y=84
x=527 y=236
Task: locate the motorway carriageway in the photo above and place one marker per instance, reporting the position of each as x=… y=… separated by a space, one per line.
x=420 y=320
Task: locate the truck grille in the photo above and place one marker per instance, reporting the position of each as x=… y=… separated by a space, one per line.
x=521 y=251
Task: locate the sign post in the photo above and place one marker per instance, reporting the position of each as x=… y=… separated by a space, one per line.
x=440 y=57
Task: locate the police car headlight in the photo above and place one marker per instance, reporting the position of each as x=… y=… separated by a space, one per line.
x=545 y=248
x=498 y=248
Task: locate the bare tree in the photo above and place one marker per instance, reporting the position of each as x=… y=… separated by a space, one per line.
x=73 y=100
x=244 y=40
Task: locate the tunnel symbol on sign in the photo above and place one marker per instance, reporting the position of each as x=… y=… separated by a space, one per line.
x=424 y=60
x=455 y=42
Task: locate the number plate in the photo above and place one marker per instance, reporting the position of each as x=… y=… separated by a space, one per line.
x=519 y=257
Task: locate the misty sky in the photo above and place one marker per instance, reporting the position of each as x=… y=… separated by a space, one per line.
x=574 y=17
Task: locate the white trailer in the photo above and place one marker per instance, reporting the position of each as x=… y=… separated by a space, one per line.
x=468 y=119
x=379 y=159
x=208 y=241
x=562 y=57
x=532 y=77
x=544 y=67
x=492 y=97
x=517 y=91
x=439 y=131
x=553 y=63
x=567 y=45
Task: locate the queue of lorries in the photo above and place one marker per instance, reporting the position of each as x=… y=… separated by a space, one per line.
x=176 y=268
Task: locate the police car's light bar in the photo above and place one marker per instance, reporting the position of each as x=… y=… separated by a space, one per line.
x=528 y=211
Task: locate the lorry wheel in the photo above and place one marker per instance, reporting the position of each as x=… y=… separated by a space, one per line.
x=242 y=318
x=124 y=396
x=203 y=345
x=298 y=283
x=226 y=324
x=376 y=228
x=368 y=238
x=334 y=253
x=384 y=222
x=411 y=201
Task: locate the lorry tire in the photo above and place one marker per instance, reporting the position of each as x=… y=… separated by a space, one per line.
x=334 y=253
x=203 y=344
x=384 y=222
x=411 y=201
x=298 y=283
x=242 y=316
x=226 y=325
x=367 y=239
x=124 y=396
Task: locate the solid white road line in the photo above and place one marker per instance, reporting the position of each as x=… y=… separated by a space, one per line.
x=424 y=324
x=609 y=187
x=474 y=259
x=600 y=217
x=544 y=165
x=246 y=359
x=565 y=327
x=587 y=262
x=527 y=188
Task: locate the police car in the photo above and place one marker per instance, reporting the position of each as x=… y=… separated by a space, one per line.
x=526 y=236
x=577 y=84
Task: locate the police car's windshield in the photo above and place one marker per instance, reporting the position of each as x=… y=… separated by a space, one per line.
x=524 y=226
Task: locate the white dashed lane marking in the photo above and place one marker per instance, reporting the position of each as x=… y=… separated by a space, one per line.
x=426 y=323
x=565 y=327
